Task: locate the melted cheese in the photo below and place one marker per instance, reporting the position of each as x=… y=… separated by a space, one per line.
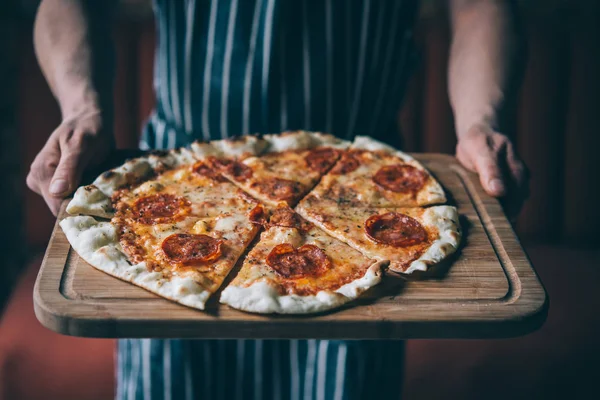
x=286 y=235
x=217 y=210
x=357 y=188
x=201 y=227
x=180 y=174
x=230 y=222
x=347 y=224
x=150 y=187
x=347 y=264
x=289 y=165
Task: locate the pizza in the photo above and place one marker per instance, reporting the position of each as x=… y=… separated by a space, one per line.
x=292 y=164
x=410 y=239
x=371 y=173
x=298 y=268
x=176 y=227
x=311 y=221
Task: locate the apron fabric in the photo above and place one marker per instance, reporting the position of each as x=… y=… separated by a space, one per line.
x=259 y=369
x=232 y=67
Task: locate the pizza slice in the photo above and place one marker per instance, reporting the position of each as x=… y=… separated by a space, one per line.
x=177 y=233
x=297 y=268
x=375 y=175
x=95 y=199
x=292 y=165
x=411 y=239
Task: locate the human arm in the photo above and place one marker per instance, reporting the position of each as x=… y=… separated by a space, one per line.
x=74 y=49
x=482 y=64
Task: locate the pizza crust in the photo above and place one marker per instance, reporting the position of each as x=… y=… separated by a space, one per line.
x=97 y=243
x=168 y=159
x=264 y=298
x=445 y=219
x=239 y=147
x=303 y=140
x=433 y=194
x=90 y=200
x=368 y=143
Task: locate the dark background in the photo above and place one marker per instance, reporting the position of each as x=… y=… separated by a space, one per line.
x=554 y=120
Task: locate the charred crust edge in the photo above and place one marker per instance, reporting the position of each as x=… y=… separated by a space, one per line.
x=108 y=174
x=161 y=153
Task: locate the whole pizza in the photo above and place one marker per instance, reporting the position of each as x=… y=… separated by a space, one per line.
x=304 y=221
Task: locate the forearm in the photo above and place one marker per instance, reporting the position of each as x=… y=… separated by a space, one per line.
x=75 y=53
x=481 y=61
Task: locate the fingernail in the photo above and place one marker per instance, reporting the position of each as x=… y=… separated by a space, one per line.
x=59 y=186
x=497 y=186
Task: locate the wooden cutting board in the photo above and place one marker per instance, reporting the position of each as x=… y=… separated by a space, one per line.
x=489 y=289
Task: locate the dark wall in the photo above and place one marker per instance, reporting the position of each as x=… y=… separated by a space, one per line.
x=11 y=232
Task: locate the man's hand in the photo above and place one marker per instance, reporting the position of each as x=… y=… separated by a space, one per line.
x=493 y=157
x=79 y=142
x=482 y=68
x=73 y=44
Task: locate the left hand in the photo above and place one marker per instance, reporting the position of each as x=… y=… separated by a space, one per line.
x=501 y=171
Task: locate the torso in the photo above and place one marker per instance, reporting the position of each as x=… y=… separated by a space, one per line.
x=232 y=67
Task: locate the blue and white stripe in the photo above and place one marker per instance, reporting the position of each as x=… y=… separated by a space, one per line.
x=231 y=67
x=173 y=369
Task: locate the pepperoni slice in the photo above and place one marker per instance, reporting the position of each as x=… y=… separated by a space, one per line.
x=279 y=189
x=400 y=178
x=237 y=170
x=257 y=215
x=347 y=163
x=291 y=263
x=395 y=229
x=160 y=208
x=208 y=170
x=287 y=218
x=322 y=159
x=185 y=248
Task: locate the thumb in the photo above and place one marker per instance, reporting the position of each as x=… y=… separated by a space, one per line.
x=67 y=174
x=490 y=174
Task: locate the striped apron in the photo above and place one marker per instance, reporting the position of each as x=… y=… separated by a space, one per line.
x=233 y=67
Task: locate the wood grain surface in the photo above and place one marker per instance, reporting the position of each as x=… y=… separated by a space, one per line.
x=488 y=289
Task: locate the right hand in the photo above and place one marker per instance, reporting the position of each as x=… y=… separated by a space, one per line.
x=79 y=142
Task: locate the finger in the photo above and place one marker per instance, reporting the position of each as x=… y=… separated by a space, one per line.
x=463 y=158
x=490 y=173
x=32 y=183
x=43 y=167
x=53 y=203
x=67 y=174
x=41 y=172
